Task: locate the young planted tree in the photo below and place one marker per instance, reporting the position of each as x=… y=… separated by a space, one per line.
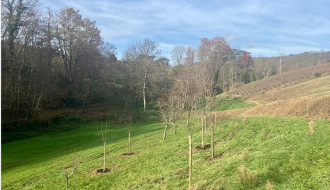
x=186 y=89
x=169 y=108
x=165 y=113
x=68 y=171
x=103 y=131
x=69 y=168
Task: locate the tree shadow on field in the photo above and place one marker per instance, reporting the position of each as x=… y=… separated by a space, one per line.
x=37 y=149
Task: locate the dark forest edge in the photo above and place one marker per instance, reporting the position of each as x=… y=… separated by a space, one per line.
x=56 y=61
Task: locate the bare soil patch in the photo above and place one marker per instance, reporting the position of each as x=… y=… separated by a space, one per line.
x=206 y=146
x=100 y=171
x=183 y=172
x=129 y=154
x=216 y=156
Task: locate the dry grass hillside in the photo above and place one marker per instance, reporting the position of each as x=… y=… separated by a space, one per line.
x=284 y=79
x=309 y=99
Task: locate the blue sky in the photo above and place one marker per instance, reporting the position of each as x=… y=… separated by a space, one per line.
x=263 y=28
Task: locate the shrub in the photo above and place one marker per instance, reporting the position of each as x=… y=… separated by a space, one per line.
x=317 y=75
x=311 y=127
x=269 y=185
x=247 y=177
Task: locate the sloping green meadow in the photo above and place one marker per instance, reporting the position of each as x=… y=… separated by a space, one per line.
x=251 y=153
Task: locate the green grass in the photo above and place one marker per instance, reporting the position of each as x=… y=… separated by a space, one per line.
x=230 y=103
x=281 y=150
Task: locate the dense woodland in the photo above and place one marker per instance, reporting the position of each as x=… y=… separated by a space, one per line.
x=53 y=60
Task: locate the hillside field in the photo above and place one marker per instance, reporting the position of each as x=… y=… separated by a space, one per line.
x=255 y=148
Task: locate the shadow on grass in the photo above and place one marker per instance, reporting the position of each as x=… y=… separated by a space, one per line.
x=49 y=147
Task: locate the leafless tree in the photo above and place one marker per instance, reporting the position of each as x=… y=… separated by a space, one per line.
x=178 y=55
x=103 y=132
x=141 y=59
x=69 y=168
x=169 y=108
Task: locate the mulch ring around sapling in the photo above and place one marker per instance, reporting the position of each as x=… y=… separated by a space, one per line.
x=128 y=154
x=216 y=156
x=206 y=146
x=100 y=171
x=182 y=172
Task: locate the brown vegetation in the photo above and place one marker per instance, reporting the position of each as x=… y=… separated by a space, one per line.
x=284 y=79
x=309 y=99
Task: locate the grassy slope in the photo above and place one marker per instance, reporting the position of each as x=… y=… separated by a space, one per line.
x=282 y=150
x=230 y=103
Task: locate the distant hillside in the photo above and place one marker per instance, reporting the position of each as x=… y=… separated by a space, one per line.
x=309 y=99
x=268 y=66
x=284 y=79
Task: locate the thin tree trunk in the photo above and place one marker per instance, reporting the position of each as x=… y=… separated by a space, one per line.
x=67 y=182
x=202 y=133
x=165 y=130
x=104 y=147
x=215 y=118
x=190 y=161
x=174 y=126
x=188 y=118
x=38 y=102
x=144 y=92
x=205 y=121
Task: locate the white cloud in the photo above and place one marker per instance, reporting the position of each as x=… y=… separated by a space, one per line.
x=270 y=24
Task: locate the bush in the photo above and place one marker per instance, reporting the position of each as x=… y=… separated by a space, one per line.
x=247 y=177
x=317 y=75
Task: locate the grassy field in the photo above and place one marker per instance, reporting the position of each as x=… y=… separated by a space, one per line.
x=250 y=152
x=230 y=103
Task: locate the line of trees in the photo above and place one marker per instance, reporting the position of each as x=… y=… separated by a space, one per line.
x=56 y=60
x=53 y=60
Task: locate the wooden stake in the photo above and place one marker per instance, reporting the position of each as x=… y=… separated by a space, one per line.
x=202 y=132
x=104 y=145
x=190 y=161
x=129 y=141
x=212 y=141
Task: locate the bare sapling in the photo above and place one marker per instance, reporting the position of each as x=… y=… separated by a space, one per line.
x=174 y=126
x=187 y=119
x=165 y=113
x=69 y=170
x=175 y=110
x=104 y=134
x=169 y=108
